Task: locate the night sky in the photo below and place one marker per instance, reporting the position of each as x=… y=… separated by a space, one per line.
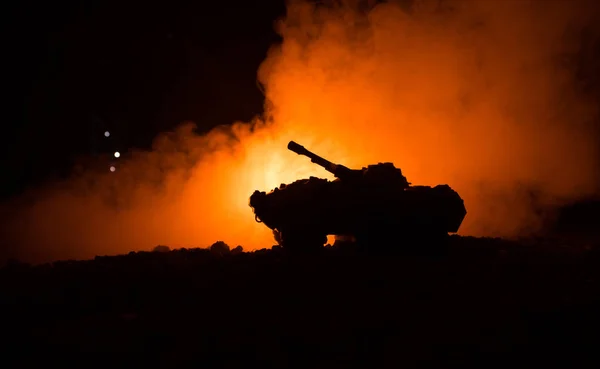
x=79 y=68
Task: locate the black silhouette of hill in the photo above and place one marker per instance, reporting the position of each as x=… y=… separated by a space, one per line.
x=475 y=302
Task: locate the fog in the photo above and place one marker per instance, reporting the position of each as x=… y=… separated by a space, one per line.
x=485 y=96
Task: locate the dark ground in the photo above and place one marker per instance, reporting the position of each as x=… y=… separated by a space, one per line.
x=477 y=303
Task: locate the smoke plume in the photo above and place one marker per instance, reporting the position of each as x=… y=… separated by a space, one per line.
x=486 y=96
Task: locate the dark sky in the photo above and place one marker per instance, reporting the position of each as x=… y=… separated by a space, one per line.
x=78 y=68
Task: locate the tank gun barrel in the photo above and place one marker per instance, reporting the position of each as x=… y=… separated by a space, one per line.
x=337 y=170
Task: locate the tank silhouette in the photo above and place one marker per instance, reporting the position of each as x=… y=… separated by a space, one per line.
x=371 y=205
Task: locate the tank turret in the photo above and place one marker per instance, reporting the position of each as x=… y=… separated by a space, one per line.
x=339 y=171
x=368 y=204
x=382 y=172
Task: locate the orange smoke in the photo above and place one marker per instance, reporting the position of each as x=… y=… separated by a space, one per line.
x=476 y=94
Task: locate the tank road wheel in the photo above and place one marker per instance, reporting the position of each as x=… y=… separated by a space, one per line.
x=415 y=238
x=435 y=242
x=430 y=233
x=301 y=241
x=376 y=241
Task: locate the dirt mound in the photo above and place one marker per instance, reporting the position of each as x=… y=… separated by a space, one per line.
x=478 y=300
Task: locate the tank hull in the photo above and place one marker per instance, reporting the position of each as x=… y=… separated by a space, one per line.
x=314 y=207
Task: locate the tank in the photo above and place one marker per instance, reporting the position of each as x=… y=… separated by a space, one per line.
x=371 y=205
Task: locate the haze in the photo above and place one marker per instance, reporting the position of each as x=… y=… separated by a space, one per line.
x=481 y=95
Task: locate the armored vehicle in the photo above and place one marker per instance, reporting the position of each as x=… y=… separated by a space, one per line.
x=372 y=205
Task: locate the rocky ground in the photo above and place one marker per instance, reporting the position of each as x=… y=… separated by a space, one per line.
x=472 y=303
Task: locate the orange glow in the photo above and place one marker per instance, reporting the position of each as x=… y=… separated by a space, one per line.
x=472 y=97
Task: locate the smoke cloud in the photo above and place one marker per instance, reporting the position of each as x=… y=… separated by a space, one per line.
x=485 y=96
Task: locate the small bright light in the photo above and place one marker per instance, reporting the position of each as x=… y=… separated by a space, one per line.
x=117 y=154
x=112 y=168
x=106 y=134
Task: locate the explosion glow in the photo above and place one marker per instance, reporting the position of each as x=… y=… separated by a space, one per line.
x=474 y=97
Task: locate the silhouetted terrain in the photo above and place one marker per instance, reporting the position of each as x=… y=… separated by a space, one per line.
x=480 y=302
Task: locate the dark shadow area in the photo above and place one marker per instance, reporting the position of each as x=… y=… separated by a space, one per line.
x=476 y=303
